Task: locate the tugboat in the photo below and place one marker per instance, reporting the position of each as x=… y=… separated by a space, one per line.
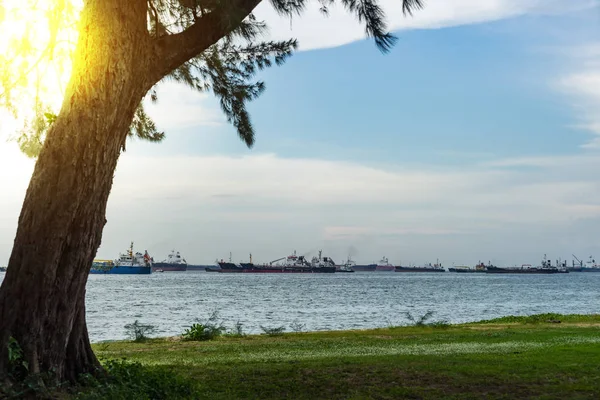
x=127 y=263
x=174 y=262
x=348 y=266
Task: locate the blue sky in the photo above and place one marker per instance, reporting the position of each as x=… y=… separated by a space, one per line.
x=474 y=138
x=483 y=89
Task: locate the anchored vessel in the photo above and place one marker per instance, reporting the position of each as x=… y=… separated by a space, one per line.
x=437 y=267
x=590 y=266
x=384 y=265
x=174 y=262
x=481 y=267
x=461 y=269
x=348 y=266
x=545 y=268
x=365 y=267
x=127 y=263
x=290 y=264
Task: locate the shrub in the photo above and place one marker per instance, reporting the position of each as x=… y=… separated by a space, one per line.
x=419 y=321
x=18 y=368
x=424 y=319
x=19 y=381
x=237 y=330
x=277 y=331
x=132 y=380
x=139 y=332
x=208 y=330
x=297 y=326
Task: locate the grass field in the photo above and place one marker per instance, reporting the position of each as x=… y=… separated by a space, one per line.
x=511 y=357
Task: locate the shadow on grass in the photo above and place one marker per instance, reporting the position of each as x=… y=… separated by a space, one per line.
x=127 y=380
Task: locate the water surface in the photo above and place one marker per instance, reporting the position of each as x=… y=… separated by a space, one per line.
x=172 y=301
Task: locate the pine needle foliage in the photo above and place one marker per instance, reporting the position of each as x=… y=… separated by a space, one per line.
x=227 y=68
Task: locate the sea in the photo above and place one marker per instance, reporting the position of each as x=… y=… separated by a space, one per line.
x=172 y=301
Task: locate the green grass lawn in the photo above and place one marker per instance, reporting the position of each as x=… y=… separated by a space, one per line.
x=508 y=358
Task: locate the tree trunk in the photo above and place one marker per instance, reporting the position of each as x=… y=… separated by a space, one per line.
x=42 y=297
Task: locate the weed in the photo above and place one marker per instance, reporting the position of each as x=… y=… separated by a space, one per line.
x=424 y=320
x=210 y=329
x=419 y=321
x=237 y=330
x=276 y=331
x=139 y=332
x=297 y=326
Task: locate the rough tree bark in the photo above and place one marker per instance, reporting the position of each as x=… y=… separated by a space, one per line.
x=42 y=297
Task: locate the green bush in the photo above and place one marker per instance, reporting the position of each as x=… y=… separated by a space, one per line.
x=18 y=368
x=133 y=381
x=208 y=330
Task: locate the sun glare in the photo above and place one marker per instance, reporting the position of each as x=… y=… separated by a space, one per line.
x=36 y=41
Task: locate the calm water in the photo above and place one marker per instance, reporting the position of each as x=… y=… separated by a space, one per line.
x=173 y=300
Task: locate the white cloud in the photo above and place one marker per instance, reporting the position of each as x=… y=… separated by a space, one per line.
x=582 y=85
x=179 y=107
x=316 y=31
x=267 y=205
x=584 y=88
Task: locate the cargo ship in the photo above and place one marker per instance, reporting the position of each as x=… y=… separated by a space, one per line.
x=590 y=266
x=210 y=268
x=365 y=267
x=174 y=262
x=481 y=267
x=201 y=267
x=128 y=263
x=384 y=265
x=462 y=269
x=291 y=264
x=545 y=268
x=524 y=269
x=437 y=267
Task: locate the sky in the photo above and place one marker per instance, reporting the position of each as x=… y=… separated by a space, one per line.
x=476 y=138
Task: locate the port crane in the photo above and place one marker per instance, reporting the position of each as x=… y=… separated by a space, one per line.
x=578 y=260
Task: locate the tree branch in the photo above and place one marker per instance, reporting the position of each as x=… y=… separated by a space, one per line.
x=176 y=49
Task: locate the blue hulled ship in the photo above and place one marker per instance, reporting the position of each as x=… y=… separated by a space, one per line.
x=128 y=263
